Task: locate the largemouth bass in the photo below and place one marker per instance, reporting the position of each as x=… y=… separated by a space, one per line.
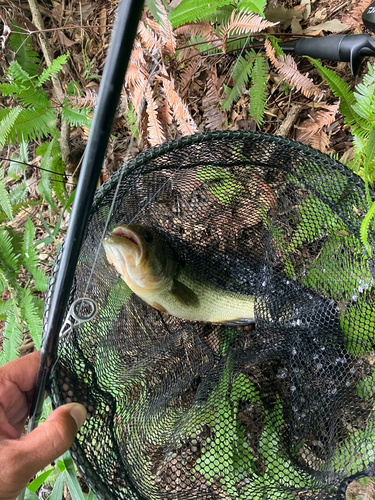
x=152 y=270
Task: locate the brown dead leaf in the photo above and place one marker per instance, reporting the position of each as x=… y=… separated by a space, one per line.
x=283 y=16
x=64 y=40
x=296 y=26
x=334 y=26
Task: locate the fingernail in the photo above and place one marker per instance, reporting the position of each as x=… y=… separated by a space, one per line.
x=79 y=412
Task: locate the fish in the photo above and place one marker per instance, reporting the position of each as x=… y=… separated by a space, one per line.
x=153 y=271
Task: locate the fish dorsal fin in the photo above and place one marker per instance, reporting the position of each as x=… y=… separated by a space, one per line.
x=184 y=294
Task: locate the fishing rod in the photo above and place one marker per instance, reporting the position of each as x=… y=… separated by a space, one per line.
x=129 y=12
x=344 y=48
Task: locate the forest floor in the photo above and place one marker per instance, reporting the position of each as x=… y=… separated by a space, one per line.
x=83 y=27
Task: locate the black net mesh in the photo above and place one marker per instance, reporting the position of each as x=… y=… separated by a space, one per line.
x=178 y=409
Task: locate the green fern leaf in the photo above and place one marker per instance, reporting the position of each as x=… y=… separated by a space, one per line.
x=29 y=125
x=365 y=96
x=29 y=257
x=40 y=279
x=18 y=74
x=44 y=186
x=9 y=260
x=20 y=43
x=4 y=309
x=52 y=168
x=12 y=333
x=76 y=117
x=258 y=91
x=8 y=118
x=249 y=6
x=192 y=10
x=55 y=67
x=5 y=201
x=241 y=73
x=33 y=98
x=18 y=194
x=10 y=89
x=32 y=318
x=19 y=162
x=342 y=90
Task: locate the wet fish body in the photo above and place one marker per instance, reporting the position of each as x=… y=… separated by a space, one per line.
x=152 y=270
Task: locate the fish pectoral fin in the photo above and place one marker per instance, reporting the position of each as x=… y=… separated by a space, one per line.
x=184 y=294
x=238 y=322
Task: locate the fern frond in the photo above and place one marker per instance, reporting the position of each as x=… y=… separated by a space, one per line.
x=8 y=119
x=190 y=69
x=203 y=30
x=40 y=280
x=44 y=187
x=4 y=308
x=287 y=68
x=18 y=194
x=12 y=333
x=241 y=23
x=310 y=132
x=131 y=121
x=255 y=6
x=9 y=261
x=18 y=164
x=211 y=111
x=29 y=124
x=341 y=90
x=185 y=122
x=20 y=43
x=18 y=74
x=167 y=35
x=33 y=98
x=32 y=318
x=53 y=69
x=76 y=117
x=155 y=131
x=10 y=89
x=29 y=256
x=241 y=73
x=365 y=96
x=189 y=11
x=258 y=90
x=148 y=39
x=270 y=52
x=5 y=201
x=320 y=141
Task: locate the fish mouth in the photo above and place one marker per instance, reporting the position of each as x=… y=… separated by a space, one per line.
x=132 y=240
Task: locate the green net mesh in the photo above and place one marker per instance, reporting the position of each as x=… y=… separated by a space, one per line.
x=281 y=408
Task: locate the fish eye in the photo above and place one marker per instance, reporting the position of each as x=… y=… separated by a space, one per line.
x=147 y=236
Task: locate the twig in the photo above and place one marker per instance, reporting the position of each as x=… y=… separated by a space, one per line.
x=48 y=56
x=289 y=121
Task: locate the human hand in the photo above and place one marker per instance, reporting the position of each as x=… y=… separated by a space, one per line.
x=22 y=457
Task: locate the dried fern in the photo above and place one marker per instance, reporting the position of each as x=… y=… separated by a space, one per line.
x=155 y=131
x=241 y=23
x=287 y=68
x=210 y=102
x=311 y=131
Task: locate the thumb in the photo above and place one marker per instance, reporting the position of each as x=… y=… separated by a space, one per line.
x=49 y=440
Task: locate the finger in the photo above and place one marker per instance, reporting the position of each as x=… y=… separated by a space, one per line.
x=46 y=443
x=21 y=372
